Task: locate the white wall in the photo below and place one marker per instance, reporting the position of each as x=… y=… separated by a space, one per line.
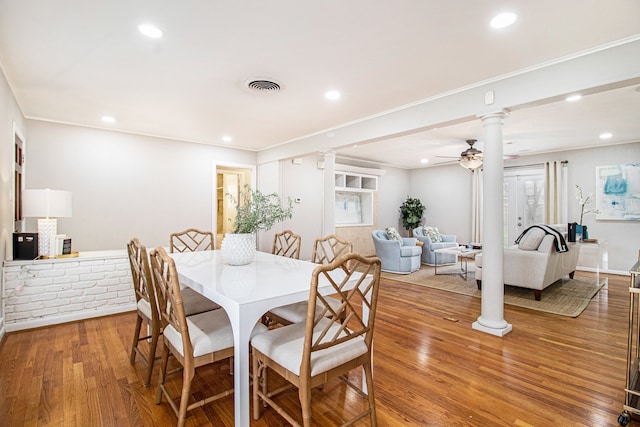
x=446 y=193
x=9 y=114
x=125 y=185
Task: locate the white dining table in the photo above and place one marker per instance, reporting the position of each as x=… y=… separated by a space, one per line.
x=246 y=292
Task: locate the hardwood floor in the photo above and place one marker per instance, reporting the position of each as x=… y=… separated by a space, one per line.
x=429 y=371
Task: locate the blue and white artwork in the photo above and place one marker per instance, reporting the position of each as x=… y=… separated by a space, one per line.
x=618 y=192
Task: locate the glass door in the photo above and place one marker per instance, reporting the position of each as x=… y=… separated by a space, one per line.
x=523 y=202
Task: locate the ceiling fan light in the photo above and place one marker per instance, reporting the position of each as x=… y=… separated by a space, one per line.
x=470 y=162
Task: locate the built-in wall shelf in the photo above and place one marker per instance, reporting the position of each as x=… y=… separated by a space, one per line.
x=354 y=198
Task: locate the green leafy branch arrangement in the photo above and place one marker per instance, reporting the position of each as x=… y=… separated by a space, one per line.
x=257 y=211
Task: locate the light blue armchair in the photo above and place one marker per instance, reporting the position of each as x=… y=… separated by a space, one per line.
x=402 y=257
x=428 y=248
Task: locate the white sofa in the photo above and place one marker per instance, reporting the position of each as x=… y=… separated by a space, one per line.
x=534 y=268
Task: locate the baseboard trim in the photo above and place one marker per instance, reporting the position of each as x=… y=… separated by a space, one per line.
x=38 y=323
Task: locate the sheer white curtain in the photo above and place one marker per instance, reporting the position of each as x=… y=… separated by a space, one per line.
x=476 y=205
x=556 y=192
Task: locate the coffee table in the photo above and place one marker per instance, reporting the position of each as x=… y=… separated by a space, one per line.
x=464 y=254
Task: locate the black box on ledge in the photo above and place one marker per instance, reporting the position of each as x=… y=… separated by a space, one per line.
x=25 y=246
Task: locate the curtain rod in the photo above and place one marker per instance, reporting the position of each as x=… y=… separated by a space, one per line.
x=563 y=162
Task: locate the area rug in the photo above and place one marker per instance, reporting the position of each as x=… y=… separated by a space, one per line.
x=566 y=297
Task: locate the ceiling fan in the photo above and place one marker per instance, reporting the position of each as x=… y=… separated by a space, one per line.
x=471 y=158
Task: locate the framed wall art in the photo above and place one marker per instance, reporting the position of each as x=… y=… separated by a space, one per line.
x=618 y=192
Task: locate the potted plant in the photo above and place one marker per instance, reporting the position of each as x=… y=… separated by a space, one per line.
x=256 y=211
x=411 y=211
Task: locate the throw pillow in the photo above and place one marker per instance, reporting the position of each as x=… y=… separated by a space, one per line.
x=392 y=234
x=432 y=233
x=531 y=240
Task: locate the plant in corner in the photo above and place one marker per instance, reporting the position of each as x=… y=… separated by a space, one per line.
x=411 y=210
x=256 y=211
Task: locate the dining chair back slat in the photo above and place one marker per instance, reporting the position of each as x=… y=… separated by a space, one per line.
x=191 y=240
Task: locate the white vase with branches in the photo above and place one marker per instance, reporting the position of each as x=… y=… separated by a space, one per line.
x=583 y=202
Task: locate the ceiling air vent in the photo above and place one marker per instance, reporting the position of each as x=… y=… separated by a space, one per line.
x=263 y=86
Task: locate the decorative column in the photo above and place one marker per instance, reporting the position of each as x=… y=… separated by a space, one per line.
x=491 y=319
x=329 y=199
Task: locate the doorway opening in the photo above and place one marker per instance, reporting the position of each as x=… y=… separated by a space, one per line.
x=230 y=181
x=524 y=201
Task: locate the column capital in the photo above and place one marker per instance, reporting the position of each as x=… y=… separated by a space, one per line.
x=500 y=114
x=328 y=152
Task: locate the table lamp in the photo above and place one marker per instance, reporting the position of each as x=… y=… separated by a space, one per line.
x=47 y=205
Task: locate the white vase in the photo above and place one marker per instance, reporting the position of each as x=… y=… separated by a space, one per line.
x=238 y=249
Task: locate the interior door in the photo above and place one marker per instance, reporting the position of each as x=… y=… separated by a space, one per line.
x=523 y=203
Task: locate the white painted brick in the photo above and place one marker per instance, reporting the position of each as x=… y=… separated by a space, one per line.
x=17 y=299
x=105 y=297
x=94 y=262
x=79 y=270
x=58 y=302
x=70 y=293
x=92 y=276
x=43 y=297
x=66 y=265
x=67 y=278
x=84 y=285
x=120 y=301
x=103 y=268
x=51 y=273
x=29 y=307
x=96 y=291
x=83 y=299
x=17 y=316
x=71 y=308
x=95 y=304
x=41 y=266
x=59 y=287
x=45 y=312
x=36 y=281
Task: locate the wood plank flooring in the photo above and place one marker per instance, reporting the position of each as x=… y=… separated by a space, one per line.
x=429 y=371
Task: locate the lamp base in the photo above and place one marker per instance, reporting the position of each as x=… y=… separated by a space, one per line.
x=47 y=231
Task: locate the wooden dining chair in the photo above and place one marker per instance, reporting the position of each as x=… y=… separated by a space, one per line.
x=191 y=240
x=287 y=244
x=147 y=306
x=194 y=341
x=311 y=353
x=147 y=310
x=325 y=251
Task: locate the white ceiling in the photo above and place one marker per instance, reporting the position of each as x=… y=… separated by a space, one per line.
x=73 y=61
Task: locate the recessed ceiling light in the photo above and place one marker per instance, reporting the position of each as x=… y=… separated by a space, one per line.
x=332 y=94
x=424 y=161
x=503 y=20
x=573 y=98
x=227 y=138
x=606 y=135
x=150 y=30
x=108 y=119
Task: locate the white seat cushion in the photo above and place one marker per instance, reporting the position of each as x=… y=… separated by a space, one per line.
x=285 y=346
x=195 y=303
x=145 y=308
x=209 y=331
x=297 y=312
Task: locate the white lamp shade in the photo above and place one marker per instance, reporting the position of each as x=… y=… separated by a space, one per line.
x=470 y=163
x=46 y=203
